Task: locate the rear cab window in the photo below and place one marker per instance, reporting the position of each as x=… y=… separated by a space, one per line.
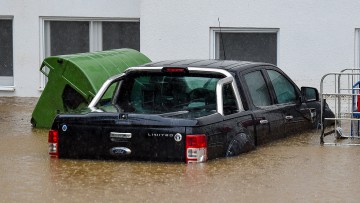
x=185 y=95
x=158 y=93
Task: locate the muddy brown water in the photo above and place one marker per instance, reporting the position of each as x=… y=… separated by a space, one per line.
x=294 y=169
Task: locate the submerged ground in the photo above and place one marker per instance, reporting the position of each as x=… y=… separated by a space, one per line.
x=293 y=169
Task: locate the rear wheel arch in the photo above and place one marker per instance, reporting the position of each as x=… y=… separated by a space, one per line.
x=241 y=143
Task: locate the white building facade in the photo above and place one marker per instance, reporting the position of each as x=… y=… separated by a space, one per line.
x=305 y=38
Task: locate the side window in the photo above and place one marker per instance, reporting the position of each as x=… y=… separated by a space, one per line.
x=229 y=100
x=258 y=90
x=284 y=90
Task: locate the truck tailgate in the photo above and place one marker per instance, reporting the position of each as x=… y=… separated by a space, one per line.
x=123 y=142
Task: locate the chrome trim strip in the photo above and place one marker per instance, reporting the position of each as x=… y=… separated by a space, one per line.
x=219 y=98
x=237 y=95
x=264 y=121
x=201 y=70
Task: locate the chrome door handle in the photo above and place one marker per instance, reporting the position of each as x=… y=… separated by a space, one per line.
x=264 y=121
x=289 y=117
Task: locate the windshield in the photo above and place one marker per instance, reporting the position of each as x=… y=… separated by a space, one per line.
x=170 y=95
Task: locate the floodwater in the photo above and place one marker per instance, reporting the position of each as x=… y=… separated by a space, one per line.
x=296 y=169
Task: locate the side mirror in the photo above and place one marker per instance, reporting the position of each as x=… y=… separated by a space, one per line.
x=309 y=94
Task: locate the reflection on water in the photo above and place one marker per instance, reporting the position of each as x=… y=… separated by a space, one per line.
x=293 y=169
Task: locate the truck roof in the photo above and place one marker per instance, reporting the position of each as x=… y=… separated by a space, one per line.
x=229 y=65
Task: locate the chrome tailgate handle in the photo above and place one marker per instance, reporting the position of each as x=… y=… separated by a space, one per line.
x=117 y=137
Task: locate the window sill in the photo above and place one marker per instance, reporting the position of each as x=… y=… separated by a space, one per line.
x=7 y=88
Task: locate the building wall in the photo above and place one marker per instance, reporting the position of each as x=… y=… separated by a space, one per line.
x=26 y=32
x=314 y=37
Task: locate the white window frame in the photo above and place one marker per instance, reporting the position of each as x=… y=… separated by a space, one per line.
x=10 y=88
x=357 y=48
x=215 y=30
x=95 y=35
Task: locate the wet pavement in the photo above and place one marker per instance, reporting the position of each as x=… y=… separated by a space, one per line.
x=296 y=169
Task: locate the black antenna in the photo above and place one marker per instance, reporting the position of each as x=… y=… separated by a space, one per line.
x=222 y=40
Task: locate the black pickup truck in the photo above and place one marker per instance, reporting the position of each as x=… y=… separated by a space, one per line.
x=186 y=110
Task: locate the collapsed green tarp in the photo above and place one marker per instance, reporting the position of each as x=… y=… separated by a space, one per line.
x=73 y=80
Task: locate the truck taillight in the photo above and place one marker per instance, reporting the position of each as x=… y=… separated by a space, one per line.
x=196 y=148
x=53 y=140
x=174 y=70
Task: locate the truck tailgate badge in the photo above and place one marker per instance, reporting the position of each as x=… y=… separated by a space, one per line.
x=178 y=137
x=64 y=128
x=120 y=151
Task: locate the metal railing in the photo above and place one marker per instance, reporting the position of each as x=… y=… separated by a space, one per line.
x=340 y=91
